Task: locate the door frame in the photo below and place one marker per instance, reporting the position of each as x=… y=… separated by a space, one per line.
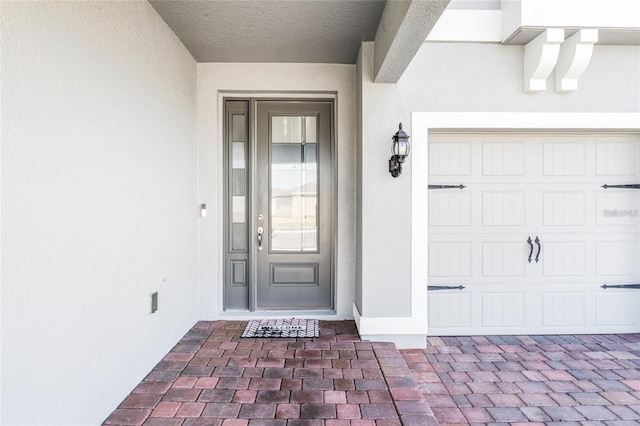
x=424 y=123
x=253 y=98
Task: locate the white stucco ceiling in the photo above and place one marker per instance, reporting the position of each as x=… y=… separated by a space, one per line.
x=315 y=31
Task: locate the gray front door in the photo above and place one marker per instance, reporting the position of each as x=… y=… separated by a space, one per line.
x=294 y=203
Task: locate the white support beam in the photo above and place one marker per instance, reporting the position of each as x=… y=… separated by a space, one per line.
x=403 y=29
x=617 y=15
x=540 y=57
x=473 y=26
x=575 y=55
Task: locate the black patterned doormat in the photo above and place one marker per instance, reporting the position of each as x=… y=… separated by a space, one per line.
x=282 y=328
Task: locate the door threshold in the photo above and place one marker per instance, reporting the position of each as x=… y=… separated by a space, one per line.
x=279 y=314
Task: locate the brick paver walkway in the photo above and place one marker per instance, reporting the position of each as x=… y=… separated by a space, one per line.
x=215 y=377
x=576 y=380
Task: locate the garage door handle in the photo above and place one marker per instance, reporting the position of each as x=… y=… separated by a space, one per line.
x=537 y=241
x=530 y=245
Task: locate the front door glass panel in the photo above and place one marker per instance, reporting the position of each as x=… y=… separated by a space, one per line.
x=293 y=192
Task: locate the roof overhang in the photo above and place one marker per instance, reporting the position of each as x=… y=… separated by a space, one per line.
x=524 y=20
x=303 y=31
x=283 y=31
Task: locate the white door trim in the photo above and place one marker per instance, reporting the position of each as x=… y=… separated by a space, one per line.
x=425 y=122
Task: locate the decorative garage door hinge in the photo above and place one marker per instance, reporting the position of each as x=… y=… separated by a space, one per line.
x=629 y=186
x=446 y=186
x=605 y=286
x=445 y=287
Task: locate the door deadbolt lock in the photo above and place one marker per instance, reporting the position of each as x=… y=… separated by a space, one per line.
x=260 y=231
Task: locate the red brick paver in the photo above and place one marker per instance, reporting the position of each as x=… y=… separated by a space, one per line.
x=215 y=377
x=530 y=379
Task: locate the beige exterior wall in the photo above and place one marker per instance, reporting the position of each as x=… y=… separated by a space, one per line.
x=99 y=205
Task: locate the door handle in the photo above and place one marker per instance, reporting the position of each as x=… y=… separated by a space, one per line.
x=537 y=241
x=530 y=245
x=260 y=231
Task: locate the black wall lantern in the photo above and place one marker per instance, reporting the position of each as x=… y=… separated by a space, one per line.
x=399 y=151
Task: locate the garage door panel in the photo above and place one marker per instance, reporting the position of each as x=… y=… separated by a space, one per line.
x=503 y=208
x=503 y=159
x=616 y=159
x=450 y=310
x=449 y=208
x=616 y=258
x=503 y=259
x=617 y=208
x=563 y=159
x=562 y=208
x=450 y=159
x=564 y=259
x=497 y=309
x=450 y=259
x=503 y=310
x=616 y=308
x=566 y=309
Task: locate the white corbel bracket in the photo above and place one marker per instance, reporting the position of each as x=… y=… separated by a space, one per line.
x=575 y=55
x=540 y=57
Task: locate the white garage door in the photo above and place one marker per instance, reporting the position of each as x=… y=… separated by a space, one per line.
x=533 y=236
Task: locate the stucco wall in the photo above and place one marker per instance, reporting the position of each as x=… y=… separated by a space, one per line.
x=99 y=205
x=216 y=80
x=446 y=77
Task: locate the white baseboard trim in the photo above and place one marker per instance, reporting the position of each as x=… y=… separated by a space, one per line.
x=368 y=326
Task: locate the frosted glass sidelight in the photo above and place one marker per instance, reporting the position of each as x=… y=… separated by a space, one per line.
x=238 y=183
x=237 y=155
x=239 y=237
x=239 y=210
x=238 y=130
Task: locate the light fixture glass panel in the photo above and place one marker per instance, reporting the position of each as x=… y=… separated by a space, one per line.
x=286 y=129
x=403 y=148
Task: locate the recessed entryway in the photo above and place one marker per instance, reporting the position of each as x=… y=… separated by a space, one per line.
x=279 y=220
